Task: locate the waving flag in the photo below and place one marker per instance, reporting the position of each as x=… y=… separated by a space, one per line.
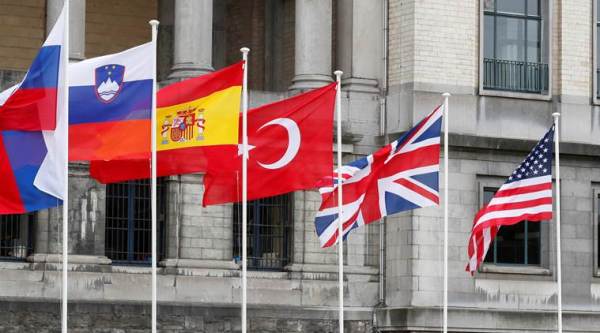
x=290 y=148
x=110 y=100
x=401 y=176
x=33 y=105
x=526 y=195
x=194 y=116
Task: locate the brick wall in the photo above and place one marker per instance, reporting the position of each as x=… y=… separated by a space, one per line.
x=22 y=32
x=434 y=42
x=113 y=25
x=574 y=24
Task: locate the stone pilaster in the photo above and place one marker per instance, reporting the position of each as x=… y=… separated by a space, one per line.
x=76 y=25
x=313 y=44
x=193 y=38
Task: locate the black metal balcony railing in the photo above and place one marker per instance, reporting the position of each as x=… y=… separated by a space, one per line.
x=518 y=76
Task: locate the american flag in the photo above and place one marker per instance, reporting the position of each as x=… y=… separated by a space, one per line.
x=401 y=176
x=526 y=195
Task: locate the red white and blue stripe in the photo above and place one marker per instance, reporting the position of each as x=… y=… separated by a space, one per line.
x=31 y=105
x=526 y=195
x=110 y=99
x=401 y=176
x=25 y=110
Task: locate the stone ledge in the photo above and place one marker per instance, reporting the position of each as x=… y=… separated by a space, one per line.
x=198 y=263
x=76 y=259
x=519 y=270
x=318 y=268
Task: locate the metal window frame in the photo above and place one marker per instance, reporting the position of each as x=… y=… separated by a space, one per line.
x=596 y=229
x=545 y=48
x=484 y=183
x=595 y=67
x=256 y=241
x=30 y=219
x=131 y=230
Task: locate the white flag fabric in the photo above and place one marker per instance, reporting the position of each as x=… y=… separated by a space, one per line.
x=51 y=177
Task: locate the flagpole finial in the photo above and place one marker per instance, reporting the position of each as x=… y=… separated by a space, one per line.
x=446 y=94
x=245 y=49
x=556 y=114
x=338 y=73
x=154 y=23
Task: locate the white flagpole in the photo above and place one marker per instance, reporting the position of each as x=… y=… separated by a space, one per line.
x=556 y=115
x=338 y=97
x=65 y=207
x=154 y=24
x=446 y=172
x=245 y=51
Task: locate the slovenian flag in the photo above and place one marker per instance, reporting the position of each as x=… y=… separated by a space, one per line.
x=110 y=105
x=36 y=104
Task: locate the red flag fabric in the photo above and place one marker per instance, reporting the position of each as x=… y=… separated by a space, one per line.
x=290 y=148
x=215 y=98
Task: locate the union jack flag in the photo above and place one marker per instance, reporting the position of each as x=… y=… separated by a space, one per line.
x=401 y=176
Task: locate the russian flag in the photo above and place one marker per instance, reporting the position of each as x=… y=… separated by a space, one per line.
x=31 y=105
x=25 y=110
x=110 y=105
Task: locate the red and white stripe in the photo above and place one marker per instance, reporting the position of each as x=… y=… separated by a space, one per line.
x=528 y=199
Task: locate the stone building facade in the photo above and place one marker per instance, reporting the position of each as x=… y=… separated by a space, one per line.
x=509 y=64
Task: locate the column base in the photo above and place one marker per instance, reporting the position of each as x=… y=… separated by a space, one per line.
x=187 y=70
x=310 y=81
x=355 y=84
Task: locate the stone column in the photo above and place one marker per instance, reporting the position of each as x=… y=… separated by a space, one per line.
x=76 y=25
x=313 y=44
x=193 y=38
x=360 y=44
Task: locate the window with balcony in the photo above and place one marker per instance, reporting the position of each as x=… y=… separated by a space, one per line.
x=16 y=236
x=518 y=244
x=269 y=232
x=514 y=58
x=128 y=221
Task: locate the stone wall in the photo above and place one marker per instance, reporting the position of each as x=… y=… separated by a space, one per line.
x=39 y=316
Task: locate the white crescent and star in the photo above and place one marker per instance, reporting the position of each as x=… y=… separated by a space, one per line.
x=294 y=139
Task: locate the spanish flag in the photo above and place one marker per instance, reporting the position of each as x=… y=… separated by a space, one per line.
x=193 y=116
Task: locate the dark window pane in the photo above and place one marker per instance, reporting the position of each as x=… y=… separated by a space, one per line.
x=488 y=50
x=488 y=5
x=269 y=232
x=510 y=34
x=533 y=243
x=533 y=7
x=16 y=236
x=511 y=6
x=510 y=247
x=533 y=43
x=128 y=221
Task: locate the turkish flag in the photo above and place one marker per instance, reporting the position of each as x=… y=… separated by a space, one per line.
x=290 y=148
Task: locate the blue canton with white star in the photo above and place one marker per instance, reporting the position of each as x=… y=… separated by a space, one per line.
x=539 y=162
